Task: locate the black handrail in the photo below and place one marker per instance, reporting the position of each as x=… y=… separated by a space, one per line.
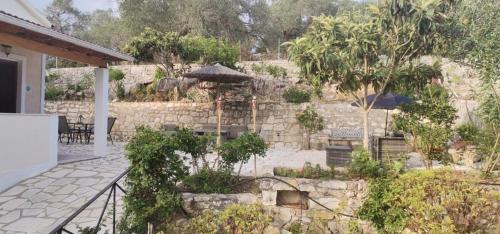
x=112 y=187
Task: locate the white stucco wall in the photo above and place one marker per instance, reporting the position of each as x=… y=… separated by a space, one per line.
x=28 y=146
x=34 y=73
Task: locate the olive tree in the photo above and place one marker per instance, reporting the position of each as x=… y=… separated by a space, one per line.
x=376 y=49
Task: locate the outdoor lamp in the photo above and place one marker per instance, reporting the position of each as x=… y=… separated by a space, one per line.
x=6 y=49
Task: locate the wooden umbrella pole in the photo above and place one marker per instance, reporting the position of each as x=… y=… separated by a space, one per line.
x=254 y=118
x=254 y=113
x=219 y=114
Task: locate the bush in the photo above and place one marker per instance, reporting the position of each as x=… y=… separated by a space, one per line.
x=296 y=95
x=241 y=149
x=467 y=132
x=210 y=181
x=53 y=92
x=428 y=123
x=117 y=76
x=311 y=121
x=430 y=201
x=155 y=168
x=307 y=171
x=273 y=70
x=234 y=219
x=363 y=166
x=196 y=146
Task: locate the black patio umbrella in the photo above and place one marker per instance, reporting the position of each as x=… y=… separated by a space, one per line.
x=387 y=102
x=218 y=74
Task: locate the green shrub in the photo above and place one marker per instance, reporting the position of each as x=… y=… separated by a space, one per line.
x=467 y=132
x=295 y=228
x=296 y=95
x=273 y=70
x=234 y=219
x=428 y=122
x=241 y=150
x=258 y=68
x=53 y=92
x=430 y=201
x=210 y=181
x=363 y=166
x=311 y=121
x=116 y=74
x=196 y=146
x=307 y=171
x=276 y=71
x=155 y=168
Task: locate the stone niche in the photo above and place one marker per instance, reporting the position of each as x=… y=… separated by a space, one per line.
x=292 y=199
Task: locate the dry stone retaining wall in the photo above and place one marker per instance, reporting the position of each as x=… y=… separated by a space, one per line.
x=277 y=121
x=341 y=196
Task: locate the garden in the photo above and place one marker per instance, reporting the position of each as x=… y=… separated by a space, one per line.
x=446 y=180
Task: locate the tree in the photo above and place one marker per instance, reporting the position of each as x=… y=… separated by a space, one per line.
x=311 y=121
x=65 y=17
x=105 y=29
x=372 y=49
x=472 y=38
x=428 y=122
x=164 y=48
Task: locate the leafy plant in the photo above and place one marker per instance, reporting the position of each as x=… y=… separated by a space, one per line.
x=430 y=201
x=428 y=123
x=241 y=150
x=210 y=181
x=117 y=76
x=364 y=166
x=274 y=70
x=295 y=228
x=234 y=219
x=196 y=146
x=307 y=171
x=296 y=95
x=370 y=48
x=467 y=132
x=311 y=121
x=155 y=168
x=53 y=92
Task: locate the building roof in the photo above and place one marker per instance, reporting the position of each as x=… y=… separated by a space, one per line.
x=24 y=10
x=20 y=32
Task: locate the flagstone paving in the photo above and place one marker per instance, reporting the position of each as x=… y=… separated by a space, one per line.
x=40 y=203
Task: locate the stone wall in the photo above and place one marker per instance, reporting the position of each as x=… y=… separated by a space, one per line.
x=341 y=196
x=276 y=121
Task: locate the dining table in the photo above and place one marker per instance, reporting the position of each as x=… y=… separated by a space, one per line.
x=85 y=129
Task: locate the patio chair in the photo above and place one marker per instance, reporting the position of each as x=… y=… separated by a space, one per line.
x=111 y=123
x=65 y=129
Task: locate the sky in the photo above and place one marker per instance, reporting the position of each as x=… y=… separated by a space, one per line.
x=82 y=5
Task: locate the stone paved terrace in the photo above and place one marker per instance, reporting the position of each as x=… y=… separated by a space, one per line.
x=40 y=203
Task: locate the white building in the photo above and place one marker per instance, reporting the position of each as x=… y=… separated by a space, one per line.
x=28 y=137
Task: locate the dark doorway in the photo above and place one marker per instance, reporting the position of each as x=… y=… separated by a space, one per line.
x=8 y=86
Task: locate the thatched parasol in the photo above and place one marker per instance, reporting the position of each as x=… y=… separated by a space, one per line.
x=218 y=74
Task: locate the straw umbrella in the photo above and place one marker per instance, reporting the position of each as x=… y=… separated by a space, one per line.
x=218 y=74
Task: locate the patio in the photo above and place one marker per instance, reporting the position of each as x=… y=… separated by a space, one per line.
x=38 y=204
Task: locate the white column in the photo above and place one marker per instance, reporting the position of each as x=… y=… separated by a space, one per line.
x=101 y=111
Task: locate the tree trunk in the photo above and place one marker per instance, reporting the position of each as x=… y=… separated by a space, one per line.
x=308 y=139
x=365 y=129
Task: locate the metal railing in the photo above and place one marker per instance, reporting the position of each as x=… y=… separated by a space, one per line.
x=112 y=192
